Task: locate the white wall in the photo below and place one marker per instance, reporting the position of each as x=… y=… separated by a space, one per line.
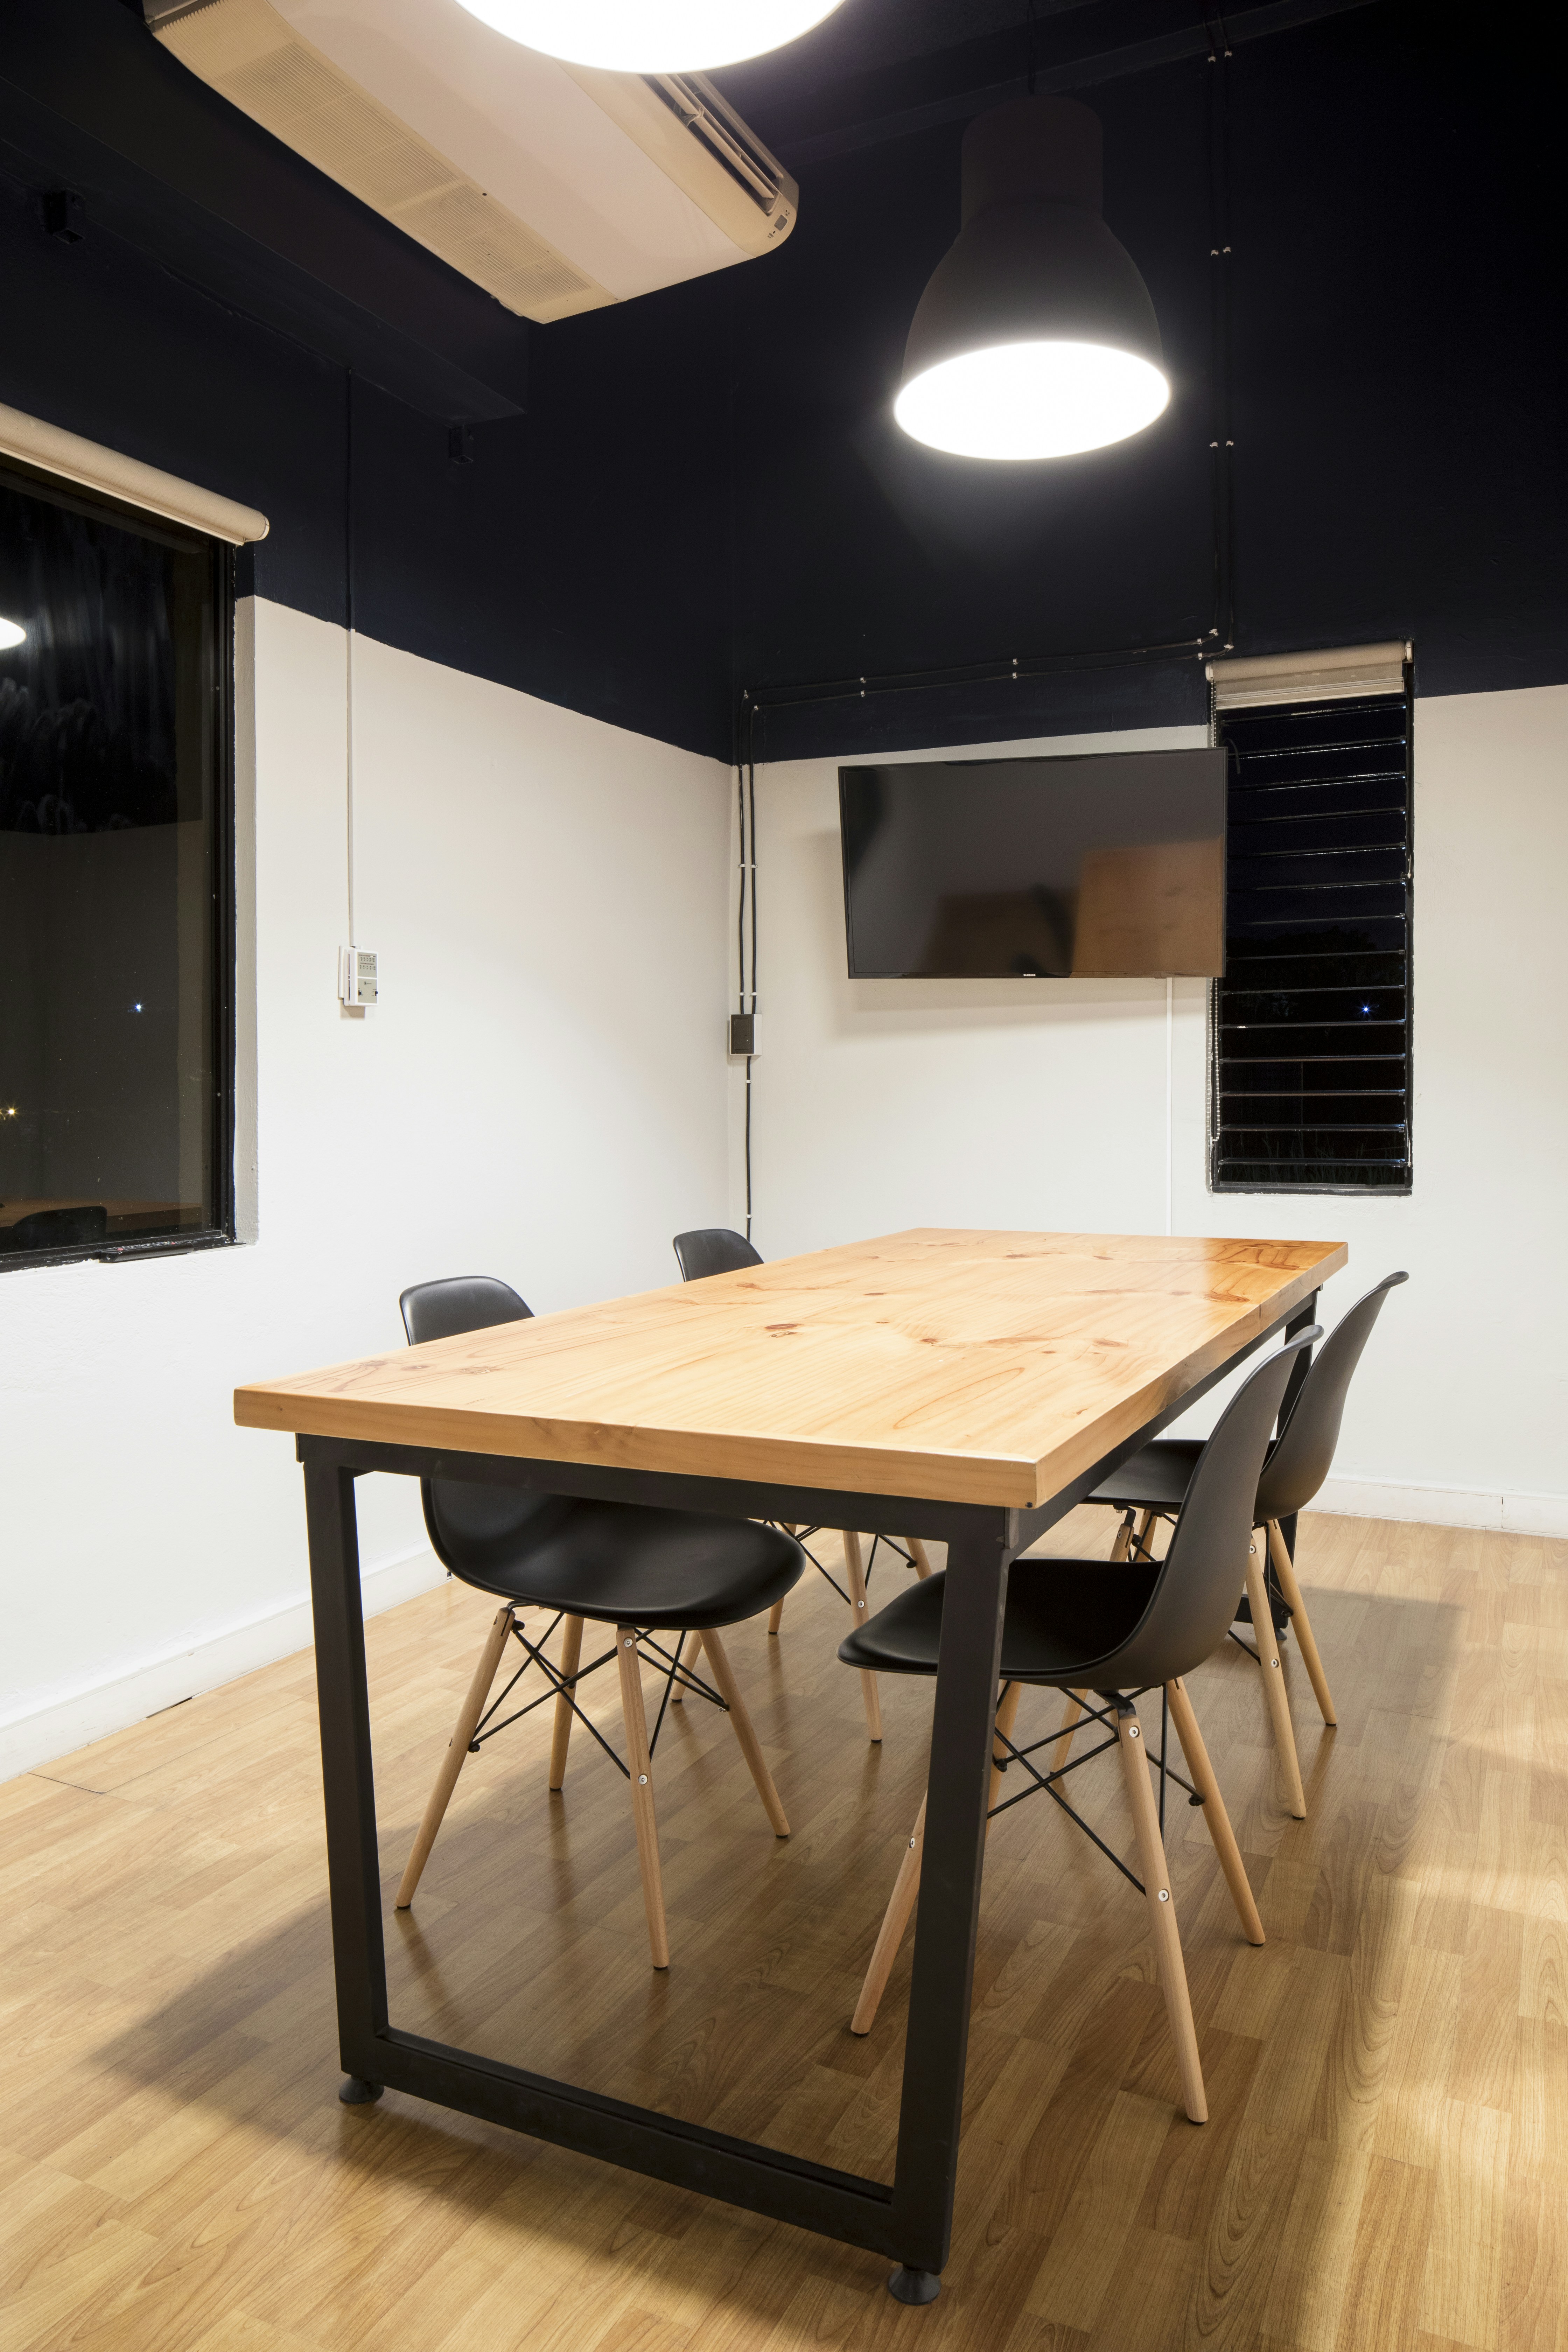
x=882 y=1104
x=539 y=1094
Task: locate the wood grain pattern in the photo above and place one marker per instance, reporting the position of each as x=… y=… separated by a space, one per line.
x=177 y=2175
x=967 y=1366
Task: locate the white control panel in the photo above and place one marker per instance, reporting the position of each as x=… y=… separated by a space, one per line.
x=356 y=977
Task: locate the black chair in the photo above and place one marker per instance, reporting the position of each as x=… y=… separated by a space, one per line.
x=1153 y=1485
x=715 y=1249
x=52 y=1229
x=642 y=1570
x=1117 y=1631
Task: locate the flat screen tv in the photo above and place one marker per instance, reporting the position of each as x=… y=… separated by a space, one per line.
x=1106 y=865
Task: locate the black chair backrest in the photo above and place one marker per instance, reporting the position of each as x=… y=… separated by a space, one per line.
x=471 y=1526
x=48 y=1229
x=1204 y=1573
x=1305 y=1453
x=713 y=1249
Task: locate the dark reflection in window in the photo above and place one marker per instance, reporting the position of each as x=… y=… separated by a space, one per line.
x=115 y=875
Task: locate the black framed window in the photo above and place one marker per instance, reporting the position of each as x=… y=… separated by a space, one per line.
x=116 y=866
x=1310 y=1043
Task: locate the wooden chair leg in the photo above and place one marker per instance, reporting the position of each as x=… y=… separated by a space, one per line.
x=1274 y=1691
x=1149 y=1521
x=907 y=1886
x=1301 y=1623
x=1215 y=1814
x=1162 y=1913
x=640 y=1766
x=917 y=1552
x=1063 y=1748
x=1123 y=1544
x=854 y=1568
x=456 y=1754
x=890 y=1934
x=751 y=1747
x=561 y=1732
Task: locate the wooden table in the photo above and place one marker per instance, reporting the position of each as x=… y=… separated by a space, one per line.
x=968 y=1386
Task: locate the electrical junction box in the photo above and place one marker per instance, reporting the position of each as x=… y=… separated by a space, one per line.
x=356 y=977
x=744 y=1045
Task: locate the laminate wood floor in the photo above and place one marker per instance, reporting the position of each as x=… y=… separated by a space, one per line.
x=1387 y=2161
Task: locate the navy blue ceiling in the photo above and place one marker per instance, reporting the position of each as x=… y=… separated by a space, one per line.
x=702 y=491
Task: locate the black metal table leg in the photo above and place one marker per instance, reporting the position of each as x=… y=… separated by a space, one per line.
x=947 y=1916
x=909 y=2223
x=353 y=1862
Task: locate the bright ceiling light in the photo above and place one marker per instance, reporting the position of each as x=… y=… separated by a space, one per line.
x=1036 y=337
x=652 y=36
x=12 y=632
x=1032 y=400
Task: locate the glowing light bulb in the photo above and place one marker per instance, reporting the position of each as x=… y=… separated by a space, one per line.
x=652 y=36
x=1032 y=400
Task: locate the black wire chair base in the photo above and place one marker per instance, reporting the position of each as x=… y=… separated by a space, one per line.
x=1045 y=1782
x=802 y=1536
x=665 y=1662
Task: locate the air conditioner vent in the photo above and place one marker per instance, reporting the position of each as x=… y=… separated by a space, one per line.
x=724 y=135
x=245 y=49
x=557 y=188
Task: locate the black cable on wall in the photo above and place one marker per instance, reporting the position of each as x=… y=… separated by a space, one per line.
x=754 y=702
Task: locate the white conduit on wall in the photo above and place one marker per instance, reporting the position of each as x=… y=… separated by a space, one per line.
x=54 y=451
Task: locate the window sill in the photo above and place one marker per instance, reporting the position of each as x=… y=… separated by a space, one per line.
x=116 y=1252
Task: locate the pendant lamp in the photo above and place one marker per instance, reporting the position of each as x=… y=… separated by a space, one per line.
x=652 y=37
x=1036 y=337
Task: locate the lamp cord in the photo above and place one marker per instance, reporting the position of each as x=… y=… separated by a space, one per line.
x=349 y=635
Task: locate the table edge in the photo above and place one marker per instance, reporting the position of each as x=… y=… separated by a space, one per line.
x=1007 y=1481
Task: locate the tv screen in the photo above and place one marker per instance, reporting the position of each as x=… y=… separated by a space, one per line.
x=1107 y=866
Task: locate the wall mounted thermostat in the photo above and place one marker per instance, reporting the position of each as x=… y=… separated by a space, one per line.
x=356 y=977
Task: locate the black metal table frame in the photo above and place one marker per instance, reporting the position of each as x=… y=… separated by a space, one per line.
x=910 y=2221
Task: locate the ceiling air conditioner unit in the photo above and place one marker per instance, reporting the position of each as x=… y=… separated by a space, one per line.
x=557 y=188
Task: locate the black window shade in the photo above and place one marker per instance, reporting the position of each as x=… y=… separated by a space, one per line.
x=1310 y=1088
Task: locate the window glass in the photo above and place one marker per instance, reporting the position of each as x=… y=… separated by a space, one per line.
x=114 y=876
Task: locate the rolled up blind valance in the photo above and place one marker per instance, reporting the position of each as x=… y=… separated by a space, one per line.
x=1331 y=675
x=54 y=451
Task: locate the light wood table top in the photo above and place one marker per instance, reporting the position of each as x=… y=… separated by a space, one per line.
x=988 y=1368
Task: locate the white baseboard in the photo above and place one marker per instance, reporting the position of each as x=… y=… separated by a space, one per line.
x=1446 y=1507
x=120 y=1700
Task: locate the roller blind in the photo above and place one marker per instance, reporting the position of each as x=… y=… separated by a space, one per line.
x=1310 y=1041
x=54 y=451
x=1340 y=673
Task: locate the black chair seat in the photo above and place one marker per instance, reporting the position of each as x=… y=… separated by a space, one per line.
x=623 y=1563
x=1155 y=1478
x=1064 y=1619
